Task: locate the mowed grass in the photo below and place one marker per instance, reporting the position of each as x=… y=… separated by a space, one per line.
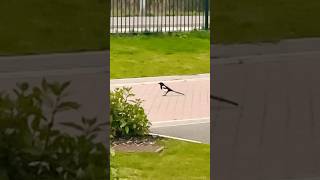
x=159 y=54
x=242 y=21
x=47 y=26
x=179 y=161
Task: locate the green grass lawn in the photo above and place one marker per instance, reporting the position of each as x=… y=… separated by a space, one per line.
x=46 y=26
x=240 y=21
x=159 y=54
x=179 y=161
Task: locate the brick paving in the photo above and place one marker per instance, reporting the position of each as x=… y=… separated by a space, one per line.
x=195 y=104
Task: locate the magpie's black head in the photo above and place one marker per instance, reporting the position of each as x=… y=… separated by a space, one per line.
x=161 y=83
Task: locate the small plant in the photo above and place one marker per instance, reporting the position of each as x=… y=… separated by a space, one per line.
x=127 y=116
x=30 y=146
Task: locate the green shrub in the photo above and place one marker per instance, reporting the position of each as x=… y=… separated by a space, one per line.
x=127 y=116
x=30 y=147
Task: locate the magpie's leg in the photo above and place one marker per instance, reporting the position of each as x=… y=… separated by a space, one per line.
x=166 y=93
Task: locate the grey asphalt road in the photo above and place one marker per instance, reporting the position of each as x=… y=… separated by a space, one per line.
x=196 y=131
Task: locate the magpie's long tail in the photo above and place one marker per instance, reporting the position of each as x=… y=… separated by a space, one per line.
x=224 y=100
x=178 y=92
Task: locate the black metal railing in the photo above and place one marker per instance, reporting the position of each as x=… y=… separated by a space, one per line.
x=132 y=16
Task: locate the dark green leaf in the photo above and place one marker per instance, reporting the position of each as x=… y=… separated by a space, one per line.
x=68 y=105
x=73 y=125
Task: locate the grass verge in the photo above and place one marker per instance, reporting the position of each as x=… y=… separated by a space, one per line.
x=179 y=161
x=159 y=54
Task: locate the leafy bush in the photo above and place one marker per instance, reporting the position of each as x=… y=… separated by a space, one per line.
x=30 y=148
x=127 y=116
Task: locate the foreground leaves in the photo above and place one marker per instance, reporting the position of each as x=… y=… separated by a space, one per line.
x=30 y=147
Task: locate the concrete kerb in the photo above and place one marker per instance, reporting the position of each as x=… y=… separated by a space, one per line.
x=176 y=138
x=152 y=80
x=181 y=122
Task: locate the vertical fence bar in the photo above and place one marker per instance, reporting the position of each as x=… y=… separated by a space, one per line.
x=184 y=15
x=150 y=14
x=111 y=16
x=191 y=16
x=194 y=14
x=178 y=17
x=188 y=9
x=173 y=15
x=125 y=16
x=206 y=14
x=129 y=15
x=169 y=15
x=157 y=14
x=161 y=14
x=134 y=14
x=117 y=15
x=203 y=14
x=121 y=14
x=141 y=15
x=165 y=15
x=145 y=15
x=199 y=14
x=153 y=11
x=149 y=19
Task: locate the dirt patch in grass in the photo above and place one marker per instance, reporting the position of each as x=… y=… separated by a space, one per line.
x=138 y=144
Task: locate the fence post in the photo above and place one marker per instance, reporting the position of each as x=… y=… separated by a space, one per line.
x=142 y=6
x=206 y=5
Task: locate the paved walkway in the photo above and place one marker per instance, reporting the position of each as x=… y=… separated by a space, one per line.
x=275 y=133
x=175 y=115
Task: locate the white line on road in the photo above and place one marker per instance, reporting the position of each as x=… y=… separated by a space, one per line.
x=176 y=138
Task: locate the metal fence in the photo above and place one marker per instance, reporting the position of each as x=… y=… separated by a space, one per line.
x=132 y=16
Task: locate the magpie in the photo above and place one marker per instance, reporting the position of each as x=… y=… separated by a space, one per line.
x=224 y=100
x=167 y=89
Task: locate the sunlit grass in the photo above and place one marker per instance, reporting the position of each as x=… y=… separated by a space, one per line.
x=159 y=54
x=179 y=161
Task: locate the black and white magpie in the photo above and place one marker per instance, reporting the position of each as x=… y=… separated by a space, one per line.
x=167 y=89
